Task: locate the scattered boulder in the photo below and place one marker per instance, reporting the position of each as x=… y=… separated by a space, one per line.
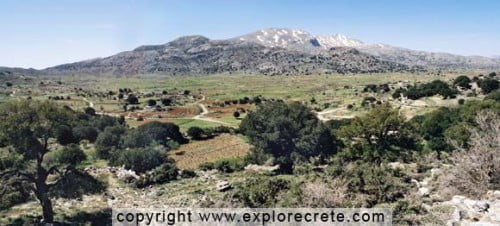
x=223 y=186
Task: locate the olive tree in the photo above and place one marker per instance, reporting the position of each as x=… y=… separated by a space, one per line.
x=29 y=127
x=288 y=132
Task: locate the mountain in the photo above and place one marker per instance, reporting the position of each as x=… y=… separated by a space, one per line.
x=300 y=40
x=273 y=51
x=200 y=55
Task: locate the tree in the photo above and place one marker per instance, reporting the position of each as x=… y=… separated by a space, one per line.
x=151 y=102
x=89 y=111
x=236 y=114
x=64 y=135
x=462 y=81
x=196 y=133
x=166 y=101
x=160 y=132
x=85 y=133
x=140 y=160
x=488 y=85
x=379 y=134
x=27 y=127
x=109 y=140
x=287 y=132
x=132 y=99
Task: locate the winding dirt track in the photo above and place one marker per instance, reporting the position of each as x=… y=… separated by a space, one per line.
x=201 y=116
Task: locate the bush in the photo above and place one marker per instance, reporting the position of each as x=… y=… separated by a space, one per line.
x=109 y=140
x=136 y=139
x=236 y=114
x=196 y=133
x=488 y=85
x=86 y=133
x=89 y=111
x=64 y=135
x=477 y=169
x=160 y=132
x=140 y=160
x=71 y=154
x=206 y=166
x=426 y=90
x=151 y=102
x=229 y=165
x=188 y=174
x=132 y=99
x=495 y=95
x=375 y=184
x=462 y=81
x=461 y=101
x=260 y=192
x=161 y=174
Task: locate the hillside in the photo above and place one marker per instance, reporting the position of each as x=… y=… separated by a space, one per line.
x=303 y=41
x=199 y=55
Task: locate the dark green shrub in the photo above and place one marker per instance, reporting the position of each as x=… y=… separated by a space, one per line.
x=206 y=166
x=86 y=133
x=140 y=160
x=260 y=192
x=196 y=133
x=64 y=135
x=188 y=174
x=461 y=101
x=71 y=154
x=462 y=81
x=377 y=184
x=151 y=102
x=495 y=95
x=161 y=174
x=229 y=165
x=488 y=85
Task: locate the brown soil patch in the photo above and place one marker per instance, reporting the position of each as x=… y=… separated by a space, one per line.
x=191 y=155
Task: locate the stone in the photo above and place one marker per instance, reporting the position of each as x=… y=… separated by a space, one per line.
x=423 y=191
x=223 y=186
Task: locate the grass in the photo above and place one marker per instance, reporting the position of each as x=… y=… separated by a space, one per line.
x=185 y=124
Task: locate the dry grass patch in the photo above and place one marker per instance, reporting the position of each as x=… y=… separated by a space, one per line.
x=191 y=155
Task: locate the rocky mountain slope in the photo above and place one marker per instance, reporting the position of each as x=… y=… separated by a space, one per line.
x=199 y=55
x=302 y=41
x=270 y=51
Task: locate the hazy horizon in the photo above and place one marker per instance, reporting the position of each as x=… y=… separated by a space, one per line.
x=41 y=34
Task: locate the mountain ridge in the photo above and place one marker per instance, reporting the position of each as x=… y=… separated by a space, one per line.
x=272 y=51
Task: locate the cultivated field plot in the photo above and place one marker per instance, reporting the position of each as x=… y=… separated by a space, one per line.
x=191 y=155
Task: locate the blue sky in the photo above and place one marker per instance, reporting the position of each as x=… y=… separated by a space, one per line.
x=42 y=33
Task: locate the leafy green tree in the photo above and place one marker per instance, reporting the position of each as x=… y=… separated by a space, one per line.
x=108 y=141
x=287 y=132
x=140 y=160
x=89 y=111
x=71 y=155
x=493 y=96
x=160 y=132
x=196 y=133
x=136 y=139
x=64 y=135
x=85 y=133
x=380 y=134
x=488 y=85
x=27 y=126
x=462 y=81
x=151 y=102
